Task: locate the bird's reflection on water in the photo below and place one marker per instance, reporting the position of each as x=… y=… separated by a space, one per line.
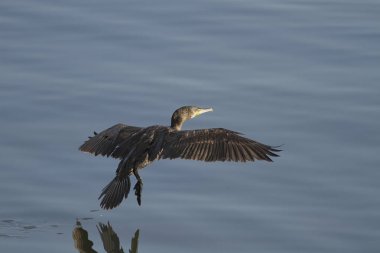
x=110 y=239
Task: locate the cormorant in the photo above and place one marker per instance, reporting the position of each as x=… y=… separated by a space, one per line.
x=137 y=147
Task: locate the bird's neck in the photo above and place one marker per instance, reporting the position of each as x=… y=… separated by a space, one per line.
x=177 y=123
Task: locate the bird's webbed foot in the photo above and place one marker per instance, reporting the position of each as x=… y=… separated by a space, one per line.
x=138 y=190
x=138 y=186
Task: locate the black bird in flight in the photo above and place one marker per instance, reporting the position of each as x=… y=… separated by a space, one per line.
x=137 y=147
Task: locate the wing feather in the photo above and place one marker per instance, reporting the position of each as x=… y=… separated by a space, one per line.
x=203 y=152
x=215 y=144
x=183 y=151
x=210 y=151
x=105 y=142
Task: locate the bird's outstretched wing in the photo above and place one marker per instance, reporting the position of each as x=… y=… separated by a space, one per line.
x=215 y=144
x=135 y=242
x=81 y=241
x=105 y=142
x=110 y=239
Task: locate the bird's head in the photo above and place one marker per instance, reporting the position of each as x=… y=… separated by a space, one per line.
x=186 y=112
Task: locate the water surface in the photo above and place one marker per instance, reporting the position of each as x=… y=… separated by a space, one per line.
x=300 y=73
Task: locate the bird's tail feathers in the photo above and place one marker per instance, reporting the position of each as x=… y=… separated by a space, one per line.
x=112 y=195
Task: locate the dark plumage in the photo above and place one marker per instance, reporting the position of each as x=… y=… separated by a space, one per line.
x=81 y=241
x=110 y=239
x=137 y=147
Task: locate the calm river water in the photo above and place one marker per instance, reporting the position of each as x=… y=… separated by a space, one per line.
x=305 y=74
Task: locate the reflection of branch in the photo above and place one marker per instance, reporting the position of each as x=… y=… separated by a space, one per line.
x=135 y=242
x=81 y=241
x=110 y=239
x=111 y=242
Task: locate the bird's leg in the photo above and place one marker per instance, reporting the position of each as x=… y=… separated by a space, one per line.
x=138 y=186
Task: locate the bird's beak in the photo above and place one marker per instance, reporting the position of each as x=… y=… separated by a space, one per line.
x=200 y=111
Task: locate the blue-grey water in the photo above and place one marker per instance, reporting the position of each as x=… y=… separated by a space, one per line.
x=301 y=73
